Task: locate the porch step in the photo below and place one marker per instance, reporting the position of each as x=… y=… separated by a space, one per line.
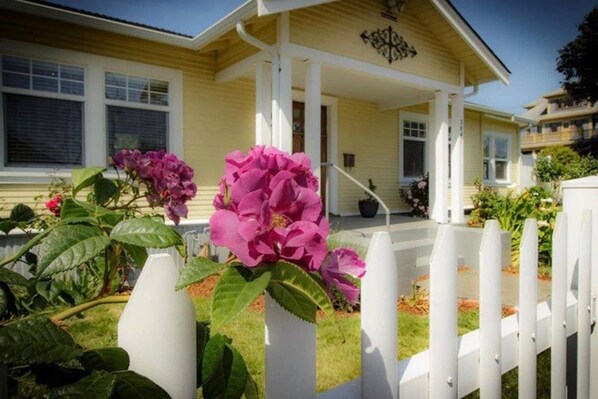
x=415 y=253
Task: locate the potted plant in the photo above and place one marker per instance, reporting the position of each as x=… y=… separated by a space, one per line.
x=368 y=207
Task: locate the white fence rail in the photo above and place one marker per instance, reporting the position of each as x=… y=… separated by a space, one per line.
x=456 y=366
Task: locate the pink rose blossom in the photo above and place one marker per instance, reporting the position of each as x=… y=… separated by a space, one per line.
x=268 y=209
x=340 y=263
x=421 y=184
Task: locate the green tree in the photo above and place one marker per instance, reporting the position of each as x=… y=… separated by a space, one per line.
x=576 y=60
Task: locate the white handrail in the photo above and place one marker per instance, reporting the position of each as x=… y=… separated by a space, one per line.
x=367 y=190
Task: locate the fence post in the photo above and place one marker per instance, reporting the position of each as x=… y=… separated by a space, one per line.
x=528 y=298
x=584 y=319
x=379 y=333
x=558 y=354
x=443 y=315
x=157 y=329
x=290 y=354
x=490 y=311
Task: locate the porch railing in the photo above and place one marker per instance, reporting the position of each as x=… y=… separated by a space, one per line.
x=360 y=185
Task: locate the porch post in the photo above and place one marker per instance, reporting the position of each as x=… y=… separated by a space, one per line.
x=457 y=130
x=282 y=94
x=263 y=104
x=313 y=107
x=431 y=160
x=440 y=144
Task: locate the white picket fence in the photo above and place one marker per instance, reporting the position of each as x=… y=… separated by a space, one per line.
x=456 y=366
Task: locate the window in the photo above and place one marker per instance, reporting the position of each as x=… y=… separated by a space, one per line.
x=496 y=155
x=61 y=109
x=42 y=113
x=413 y=148
x=136 y=112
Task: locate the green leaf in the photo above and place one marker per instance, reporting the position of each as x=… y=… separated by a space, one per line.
x=235 y=290
x=202 y=336
x=108 y=359
x=68 y=246
x=34 y=341
x=137 y=253
x=21 y=213
x=3 y=301
x=106 y=216
x=94 y=386
x=7 y=225
x=224 y=372
x=72 y=209
x=145 y=233
x=131 y=385
x=251 y=390
x=105 y=189
x=85 y=177
x=198 y=269
x=292 y=288
x=11 y=277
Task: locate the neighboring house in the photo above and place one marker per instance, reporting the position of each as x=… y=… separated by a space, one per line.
x=303 y=75
x=559 y=120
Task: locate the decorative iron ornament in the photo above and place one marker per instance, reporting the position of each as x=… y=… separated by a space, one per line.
x=389 y=44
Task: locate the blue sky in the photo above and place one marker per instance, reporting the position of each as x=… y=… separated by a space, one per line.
x=525 y=34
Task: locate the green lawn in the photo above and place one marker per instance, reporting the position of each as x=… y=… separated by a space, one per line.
x=338 y=361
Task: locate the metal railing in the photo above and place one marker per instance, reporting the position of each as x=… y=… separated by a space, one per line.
x=329 y=165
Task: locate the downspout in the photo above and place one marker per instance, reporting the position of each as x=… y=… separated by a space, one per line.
x=242 y=32
x=476 y=88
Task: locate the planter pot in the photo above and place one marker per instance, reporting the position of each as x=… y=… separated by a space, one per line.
x=368 y=209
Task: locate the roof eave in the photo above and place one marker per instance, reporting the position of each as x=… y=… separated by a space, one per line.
x=225 y=24
x=91 y=21
x=472 y=39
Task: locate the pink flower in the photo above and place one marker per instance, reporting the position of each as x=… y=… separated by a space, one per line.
x=415 y=200
x=168 y=179
x=54 y=204
x=421 y=184
x=340 y=263
x=268 y=209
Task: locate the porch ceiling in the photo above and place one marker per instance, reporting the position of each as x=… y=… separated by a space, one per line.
x=339 y=82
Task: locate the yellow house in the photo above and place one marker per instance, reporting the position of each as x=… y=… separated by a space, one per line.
x=559 y=120
x=358 y=77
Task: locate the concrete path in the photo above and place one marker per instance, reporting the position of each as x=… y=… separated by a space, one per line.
x=468 y=287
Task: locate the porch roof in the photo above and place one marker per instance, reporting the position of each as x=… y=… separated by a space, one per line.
x=481 y=63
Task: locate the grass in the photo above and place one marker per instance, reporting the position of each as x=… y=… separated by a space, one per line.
x=338 y=357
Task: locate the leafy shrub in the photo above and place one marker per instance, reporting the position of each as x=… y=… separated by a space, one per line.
x=368 y=196
x=416 y=196
x=511 y=212
x=557 y=163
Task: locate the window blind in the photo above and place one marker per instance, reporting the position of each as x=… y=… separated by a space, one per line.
x=145 y=130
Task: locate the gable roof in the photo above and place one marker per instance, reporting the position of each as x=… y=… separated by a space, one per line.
x=449 y=13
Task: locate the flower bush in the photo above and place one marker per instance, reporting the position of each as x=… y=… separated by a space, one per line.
x=416 y=196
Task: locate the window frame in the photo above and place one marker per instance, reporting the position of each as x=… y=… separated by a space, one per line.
x=411 y=117
x=95 y=133
x=492 y=180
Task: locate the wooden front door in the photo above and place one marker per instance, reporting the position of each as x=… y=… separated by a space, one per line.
x=299 y=139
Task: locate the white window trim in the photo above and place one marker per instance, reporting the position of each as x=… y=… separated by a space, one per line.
x=95 y=136
x=492 y=180
x=415 y=117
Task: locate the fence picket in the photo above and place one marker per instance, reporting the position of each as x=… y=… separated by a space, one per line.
x=379 y=334
x=490 y=311
x=528 y=297
x=443 y=315
x=584 y=319
x=558 y=356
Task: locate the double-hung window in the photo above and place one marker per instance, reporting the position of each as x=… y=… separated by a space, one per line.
x=496 y=158
x=42 y=113
x=137 y=111
x=413 y=148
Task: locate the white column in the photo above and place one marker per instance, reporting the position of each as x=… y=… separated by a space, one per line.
x=282 y=94
x=263 y=104
x=313 y=117
x=457 y=143
x=440 y=171
x=431 y=159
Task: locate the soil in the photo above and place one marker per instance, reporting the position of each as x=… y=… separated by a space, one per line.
x=515 y=271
